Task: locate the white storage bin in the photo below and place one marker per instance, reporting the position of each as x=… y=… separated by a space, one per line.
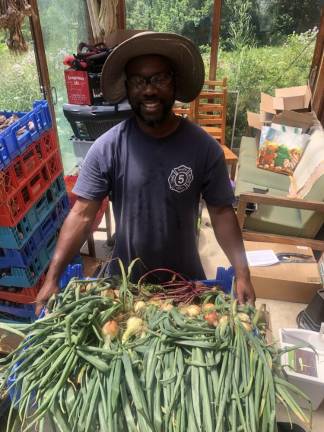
x=81 y=148
x=305 y=368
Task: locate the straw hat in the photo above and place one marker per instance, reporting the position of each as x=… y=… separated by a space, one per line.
x=183 y=54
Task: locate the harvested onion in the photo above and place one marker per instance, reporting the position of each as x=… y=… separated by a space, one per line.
x=139 y=305
x=208 y=307
x=135 y=326
x=110 y=331
x=193 y=310
x=211 y=318
x=244 y=317
x=166 y=307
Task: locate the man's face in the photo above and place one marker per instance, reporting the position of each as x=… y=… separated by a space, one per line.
x=150 y=88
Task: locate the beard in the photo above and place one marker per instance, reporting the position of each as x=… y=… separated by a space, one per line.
x=151 y=119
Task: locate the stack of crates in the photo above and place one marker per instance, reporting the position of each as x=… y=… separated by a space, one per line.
x=33 y=206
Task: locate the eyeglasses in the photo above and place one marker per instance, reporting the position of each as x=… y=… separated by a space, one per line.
x=160 y=80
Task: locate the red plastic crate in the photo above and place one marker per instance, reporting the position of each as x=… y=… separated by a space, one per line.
x=70 y=181
x=22 y=295
x=15 y=201
x=24 y=166
x=48 y=142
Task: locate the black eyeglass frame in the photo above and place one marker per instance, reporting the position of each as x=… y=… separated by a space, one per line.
x=145 y=81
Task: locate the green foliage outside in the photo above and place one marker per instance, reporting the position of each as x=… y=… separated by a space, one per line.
x=20 y=85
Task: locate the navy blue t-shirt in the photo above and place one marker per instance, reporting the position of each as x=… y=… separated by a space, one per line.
x=155 y=187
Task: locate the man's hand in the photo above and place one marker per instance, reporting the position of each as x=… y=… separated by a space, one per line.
x=44 y=294
x=245 y=291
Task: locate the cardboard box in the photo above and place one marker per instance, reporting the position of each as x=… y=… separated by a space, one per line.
x=294 y=282
x=266 y=104
x=292 y=98
x=295 y=119
x=254 y=120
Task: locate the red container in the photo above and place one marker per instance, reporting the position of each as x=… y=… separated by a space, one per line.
x=25 y=165
x=78 y=87
x=23 y=295
x=19 y=193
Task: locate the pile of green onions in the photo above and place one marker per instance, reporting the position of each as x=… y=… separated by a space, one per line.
x=111 y=361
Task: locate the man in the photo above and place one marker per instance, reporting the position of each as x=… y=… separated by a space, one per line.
x=155 y=166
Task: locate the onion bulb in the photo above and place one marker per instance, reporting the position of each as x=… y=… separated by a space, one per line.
x=166 y=307
x=139 y=305
x=108 y=293
x=223 y=320
x=243 y=317
x=193 y=310
x=110 y=330
x=155 y=302
x=135 y=326
x=211 y=318
x=208 y=307
x=247 y=326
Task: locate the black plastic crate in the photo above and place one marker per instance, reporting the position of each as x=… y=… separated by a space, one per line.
x=88 y=122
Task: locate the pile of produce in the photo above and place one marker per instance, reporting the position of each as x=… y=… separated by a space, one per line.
x=112 y=356
x=5 y=122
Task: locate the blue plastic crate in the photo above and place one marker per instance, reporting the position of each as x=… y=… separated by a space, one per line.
x=54 y=199
x=35 y=122
x=72 y=270
x=23 y=311
x=224 y=278
x=26 y=277
x=37 y=245
x=27 y=312
x=23 y=257
x=43 y=115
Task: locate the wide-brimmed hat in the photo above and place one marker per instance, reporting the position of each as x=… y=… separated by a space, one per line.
x=183 y=54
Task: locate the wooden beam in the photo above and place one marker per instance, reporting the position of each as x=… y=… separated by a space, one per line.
x=316 y=76
x=91 y=39
x=318 y=93
x=215 y=38
x=282 y=201
x=318 y=52
x=317 y=245
x=41 y=61
x=121 y=15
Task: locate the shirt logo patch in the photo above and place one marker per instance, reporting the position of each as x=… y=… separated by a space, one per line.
x=180 y=178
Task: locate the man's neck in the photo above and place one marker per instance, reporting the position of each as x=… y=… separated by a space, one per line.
x=162 y=130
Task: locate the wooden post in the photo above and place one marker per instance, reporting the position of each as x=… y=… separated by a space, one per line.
x=316 y=76
x=215 y=38
x=121 y=15
x=318 y=51
x=40 y=56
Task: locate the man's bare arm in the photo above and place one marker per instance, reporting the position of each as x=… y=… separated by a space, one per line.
x=74 y=232
x=229 y=237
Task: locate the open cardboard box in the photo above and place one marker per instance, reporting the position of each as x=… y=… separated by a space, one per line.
x=286 y=100
x=294 y=282
x=295 y=119
x=292 y=98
